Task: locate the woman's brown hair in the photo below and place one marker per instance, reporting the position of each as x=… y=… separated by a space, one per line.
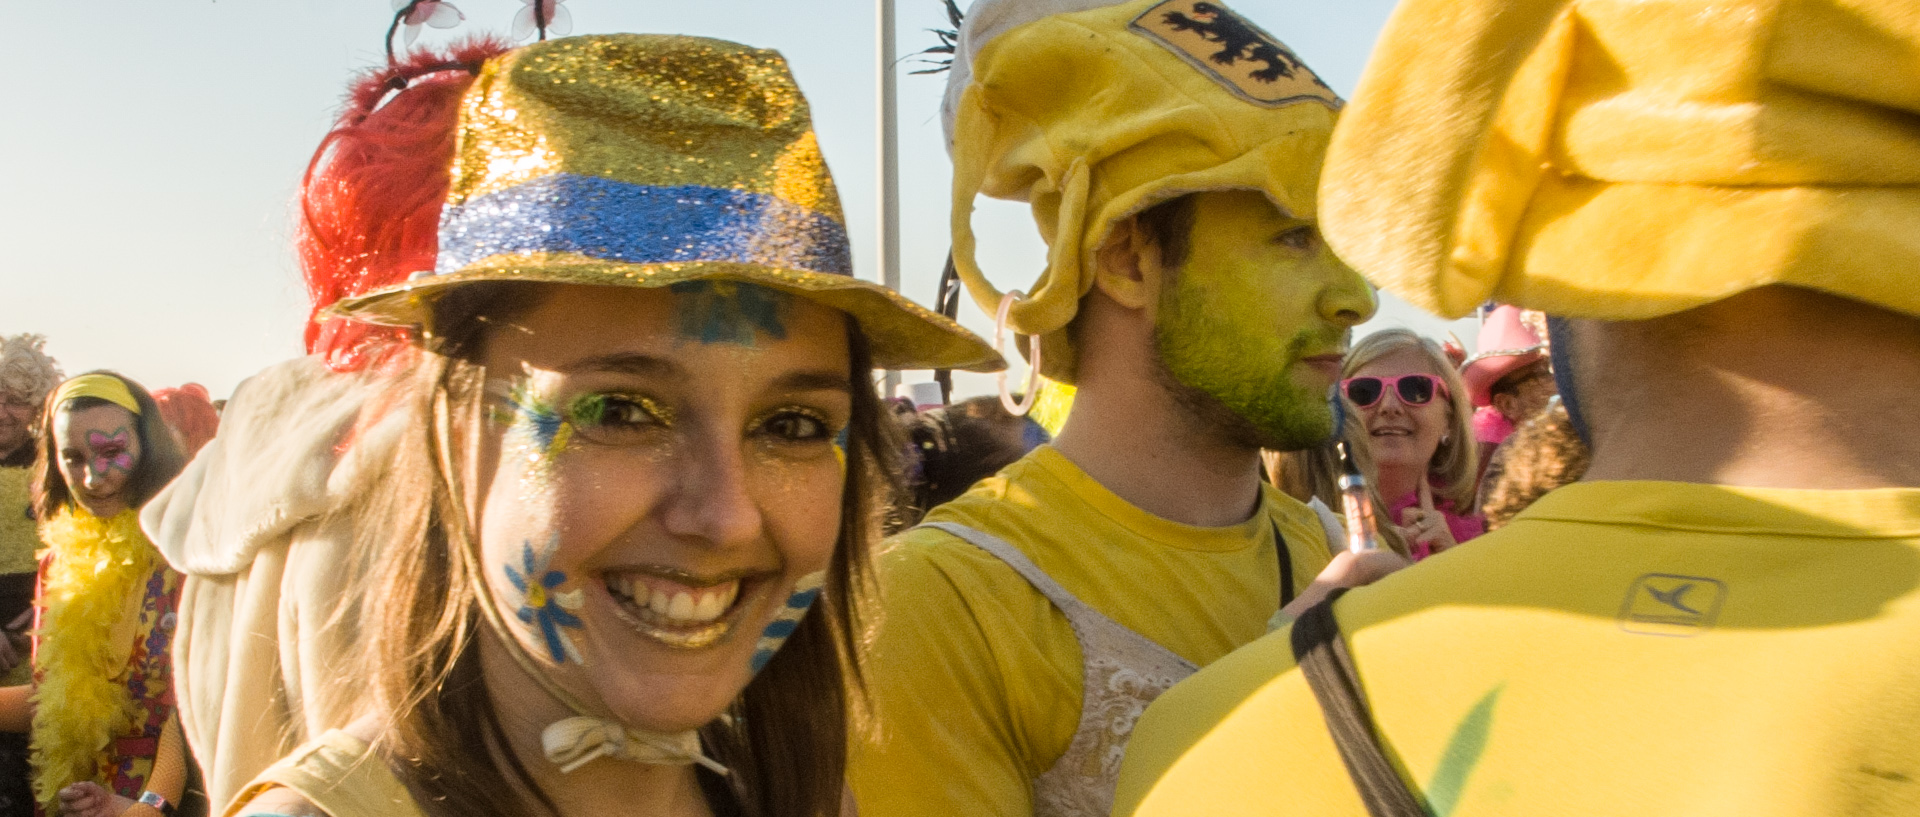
x=786 y=745
x=161 y=458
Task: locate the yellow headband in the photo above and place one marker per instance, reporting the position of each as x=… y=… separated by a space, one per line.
x=105 y=387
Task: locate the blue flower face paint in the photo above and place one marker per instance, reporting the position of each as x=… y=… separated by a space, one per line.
x=730 y=312
x=543 y=606
x=805 y=593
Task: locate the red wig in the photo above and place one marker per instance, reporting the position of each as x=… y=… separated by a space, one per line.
x=370 y=201
x=189 y=411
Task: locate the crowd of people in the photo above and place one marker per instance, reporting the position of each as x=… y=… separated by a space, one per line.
x=583 y=501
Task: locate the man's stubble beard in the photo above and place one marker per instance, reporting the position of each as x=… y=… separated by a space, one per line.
x=1214 y=372
x=1213 y=418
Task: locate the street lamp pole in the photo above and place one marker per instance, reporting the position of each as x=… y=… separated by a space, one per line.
x=889 y=137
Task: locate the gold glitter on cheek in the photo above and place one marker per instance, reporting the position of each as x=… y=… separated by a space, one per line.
x=785 y=454
x=817 y=479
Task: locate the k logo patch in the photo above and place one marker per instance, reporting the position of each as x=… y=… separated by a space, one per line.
x=1237 y=54
x=1666 y=604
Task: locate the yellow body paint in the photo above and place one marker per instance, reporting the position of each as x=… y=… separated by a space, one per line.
x=1244 y=309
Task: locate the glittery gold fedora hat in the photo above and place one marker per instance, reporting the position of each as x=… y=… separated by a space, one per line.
x=644 y=160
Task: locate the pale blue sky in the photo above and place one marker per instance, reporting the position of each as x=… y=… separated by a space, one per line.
x=151 y=148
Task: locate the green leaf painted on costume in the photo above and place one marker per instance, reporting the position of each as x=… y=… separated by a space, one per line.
x=1463 y=753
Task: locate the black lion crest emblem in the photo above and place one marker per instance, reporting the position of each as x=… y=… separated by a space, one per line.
x=1237 y=40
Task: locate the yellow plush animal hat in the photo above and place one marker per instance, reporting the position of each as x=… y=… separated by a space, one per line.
x=1092 y=112
x=1622 y=159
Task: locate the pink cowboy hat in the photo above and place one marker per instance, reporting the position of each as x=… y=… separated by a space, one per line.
x=1506 y=345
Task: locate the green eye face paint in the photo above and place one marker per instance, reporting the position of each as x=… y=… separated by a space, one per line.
x=1243 y=311
x=587 y=410
x=730 y=312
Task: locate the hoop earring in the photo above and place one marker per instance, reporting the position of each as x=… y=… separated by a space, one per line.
x=1025 y=404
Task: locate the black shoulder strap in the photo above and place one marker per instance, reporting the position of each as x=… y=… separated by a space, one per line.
x=1321 y=653
x=1286 y=566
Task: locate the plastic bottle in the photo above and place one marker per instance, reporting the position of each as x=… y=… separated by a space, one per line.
x=1357 y=501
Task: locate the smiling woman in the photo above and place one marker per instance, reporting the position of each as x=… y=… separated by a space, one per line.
x=1413 y=406
x=640 y=443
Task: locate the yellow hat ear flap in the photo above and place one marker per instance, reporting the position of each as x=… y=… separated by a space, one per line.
x=969 y=153
x=1055 y=298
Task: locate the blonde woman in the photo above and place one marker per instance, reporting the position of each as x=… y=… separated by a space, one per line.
x=1408 y=397
x=641 y=442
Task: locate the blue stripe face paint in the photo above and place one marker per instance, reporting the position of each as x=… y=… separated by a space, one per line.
x=611 y=220
x=805 y=593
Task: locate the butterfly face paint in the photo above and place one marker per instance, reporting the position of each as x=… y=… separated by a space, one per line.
x=805 y=593
x=543 y=606
x=98 y=450
x=111 y=452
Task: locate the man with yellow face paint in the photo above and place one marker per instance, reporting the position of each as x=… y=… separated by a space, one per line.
x=1169 y=150
x=1718 y=198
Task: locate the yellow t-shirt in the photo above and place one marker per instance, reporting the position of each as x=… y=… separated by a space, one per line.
x=975 y=678
x=19 y=538
x=1643 y=648
x=338 y=773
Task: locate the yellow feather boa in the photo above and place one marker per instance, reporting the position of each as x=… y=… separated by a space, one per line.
x=81 y=703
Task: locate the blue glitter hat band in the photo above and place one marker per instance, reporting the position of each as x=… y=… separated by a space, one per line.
x=641 y=224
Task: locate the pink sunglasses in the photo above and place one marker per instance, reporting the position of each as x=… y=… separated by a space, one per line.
x=1414 y=389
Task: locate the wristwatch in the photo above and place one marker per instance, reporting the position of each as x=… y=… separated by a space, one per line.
x=158 y=803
